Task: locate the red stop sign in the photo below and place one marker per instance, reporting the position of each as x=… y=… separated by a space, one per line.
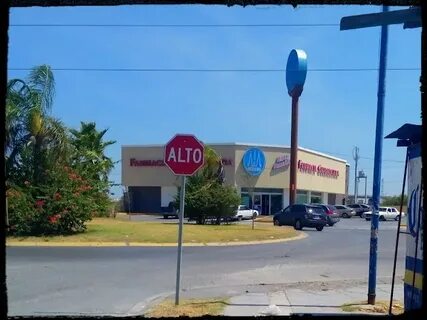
x=184 y=154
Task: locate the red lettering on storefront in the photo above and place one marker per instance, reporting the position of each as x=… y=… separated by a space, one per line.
x=321 y=171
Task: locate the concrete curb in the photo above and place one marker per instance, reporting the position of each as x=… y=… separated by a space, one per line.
x=13 y=243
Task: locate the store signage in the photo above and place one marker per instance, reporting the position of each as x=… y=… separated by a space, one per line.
x=317 y=169
x=146 y=163
x=160 y=163
x=254 y=161
x=282 y=161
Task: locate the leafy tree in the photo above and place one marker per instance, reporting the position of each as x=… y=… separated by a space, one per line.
x=206 y=196
x=56 y=179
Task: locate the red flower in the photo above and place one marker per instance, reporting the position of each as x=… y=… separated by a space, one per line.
x=39 y=203
x=57 y=196
x=54 y=219
x=72 y=176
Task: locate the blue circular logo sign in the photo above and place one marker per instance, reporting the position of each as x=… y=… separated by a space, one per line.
x=296 y=69
x=254 y=161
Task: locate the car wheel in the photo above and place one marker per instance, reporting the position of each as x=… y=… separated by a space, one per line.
x=276 y=222
x=165 y=216
x=345 y=215
x=331 y=224
x=397 y=218
x=298 y=225
x=319 y=228
x=367 y=219
x=239 y=218
x=382 y=218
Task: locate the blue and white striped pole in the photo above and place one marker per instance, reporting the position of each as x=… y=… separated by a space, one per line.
x=377 y=164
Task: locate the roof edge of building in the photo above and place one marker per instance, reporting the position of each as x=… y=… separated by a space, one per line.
x=251 y=145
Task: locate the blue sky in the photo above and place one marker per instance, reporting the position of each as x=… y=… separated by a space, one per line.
x=337 y=109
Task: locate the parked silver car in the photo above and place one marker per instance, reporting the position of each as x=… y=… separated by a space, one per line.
x=359 y=208
x=345 y=211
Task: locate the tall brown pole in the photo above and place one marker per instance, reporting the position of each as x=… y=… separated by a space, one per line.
x=294 y=150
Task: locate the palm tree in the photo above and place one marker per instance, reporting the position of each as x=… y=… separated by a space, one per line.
x=28 y=124
x=16 y=109
x=90 y=147
x=213 y=168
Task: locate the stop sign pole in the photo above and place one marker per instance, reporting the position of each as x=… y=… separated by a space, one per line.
x=184 y=155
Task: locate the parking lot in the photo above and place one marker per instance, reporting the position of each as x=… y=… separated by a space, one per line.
x=354 y=223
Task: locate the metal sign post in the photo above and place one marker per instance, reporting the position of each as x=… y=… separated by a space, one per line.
x=184 y=155
x=181 y=223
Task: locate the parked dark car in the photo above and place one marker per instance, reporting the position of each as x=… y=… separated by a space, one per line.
x=300 y=216
x=344 y=211
x=332 y=215
x=359 y=208
x=170 y=211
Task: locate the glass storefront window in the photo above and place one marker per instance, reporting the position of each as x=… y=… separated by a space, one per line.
x=302 y=197
x=316 y=197
x=276 y=203
x=245 y=200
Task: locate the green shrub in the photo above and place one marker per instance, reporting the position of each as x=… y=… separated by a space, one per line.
x=208 y=199
x=61 y=206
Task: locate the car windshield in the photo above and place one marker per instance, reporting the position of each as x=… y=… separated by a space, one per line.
x=383 y=209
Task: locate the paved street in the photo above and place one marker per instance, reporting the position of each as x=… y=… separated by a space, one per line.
x=122 y=280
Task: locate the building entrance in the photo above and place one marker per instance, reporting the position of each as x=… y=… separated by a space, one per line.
x=266 y=201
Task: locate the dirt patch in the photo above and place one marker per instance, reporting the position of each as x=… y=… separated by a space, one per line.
x=188 y=307
x=379 y=307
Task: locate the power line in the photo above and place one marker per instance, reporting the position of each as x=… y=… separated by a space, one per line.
x=212 y=70
x=120 y=25
x=360 y=157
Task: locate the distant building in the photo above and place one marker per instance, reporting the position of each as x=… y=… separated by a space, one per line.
x=260 y=173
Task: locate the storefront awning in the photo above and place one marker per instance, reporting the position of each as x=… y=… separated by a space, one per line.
x=407 y=134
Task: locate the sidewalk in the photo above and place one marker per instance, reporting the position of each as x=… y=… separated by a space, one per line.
x=296 y=298
x=294 y=301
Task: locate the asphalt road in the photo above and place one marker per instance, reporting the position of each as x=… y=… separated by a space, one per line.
x=51 y=280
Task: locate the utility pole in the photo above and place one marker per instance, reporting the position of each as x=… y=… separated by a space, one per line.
x=356 y=159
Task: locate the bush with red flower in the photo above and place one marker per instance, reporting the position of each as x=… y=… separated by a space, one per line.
x=60 y=206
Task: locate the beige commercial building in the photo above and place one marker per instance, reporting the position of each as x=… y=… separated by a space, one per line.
x=261 y=171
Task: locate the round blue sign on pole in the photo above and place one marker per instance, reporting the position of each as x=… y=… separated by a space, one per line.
x=296 y=71
x=254 y=161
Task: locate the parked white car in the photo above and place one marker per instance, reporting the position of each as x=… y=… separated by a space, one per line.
x=385 y=213
x=243 y=212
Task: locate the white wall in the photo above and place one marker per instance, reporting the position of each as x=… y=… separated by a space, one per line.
x=168 y=194
x=285 y=198
x=324 y=197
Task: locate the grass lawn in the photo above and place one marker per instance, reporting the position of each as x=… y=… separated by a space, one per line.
x=117 y=230
x=379 y=307
x=189 y=307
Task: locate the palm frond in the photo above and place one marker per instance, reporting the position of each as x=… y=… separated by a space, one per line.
x=41 y=81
